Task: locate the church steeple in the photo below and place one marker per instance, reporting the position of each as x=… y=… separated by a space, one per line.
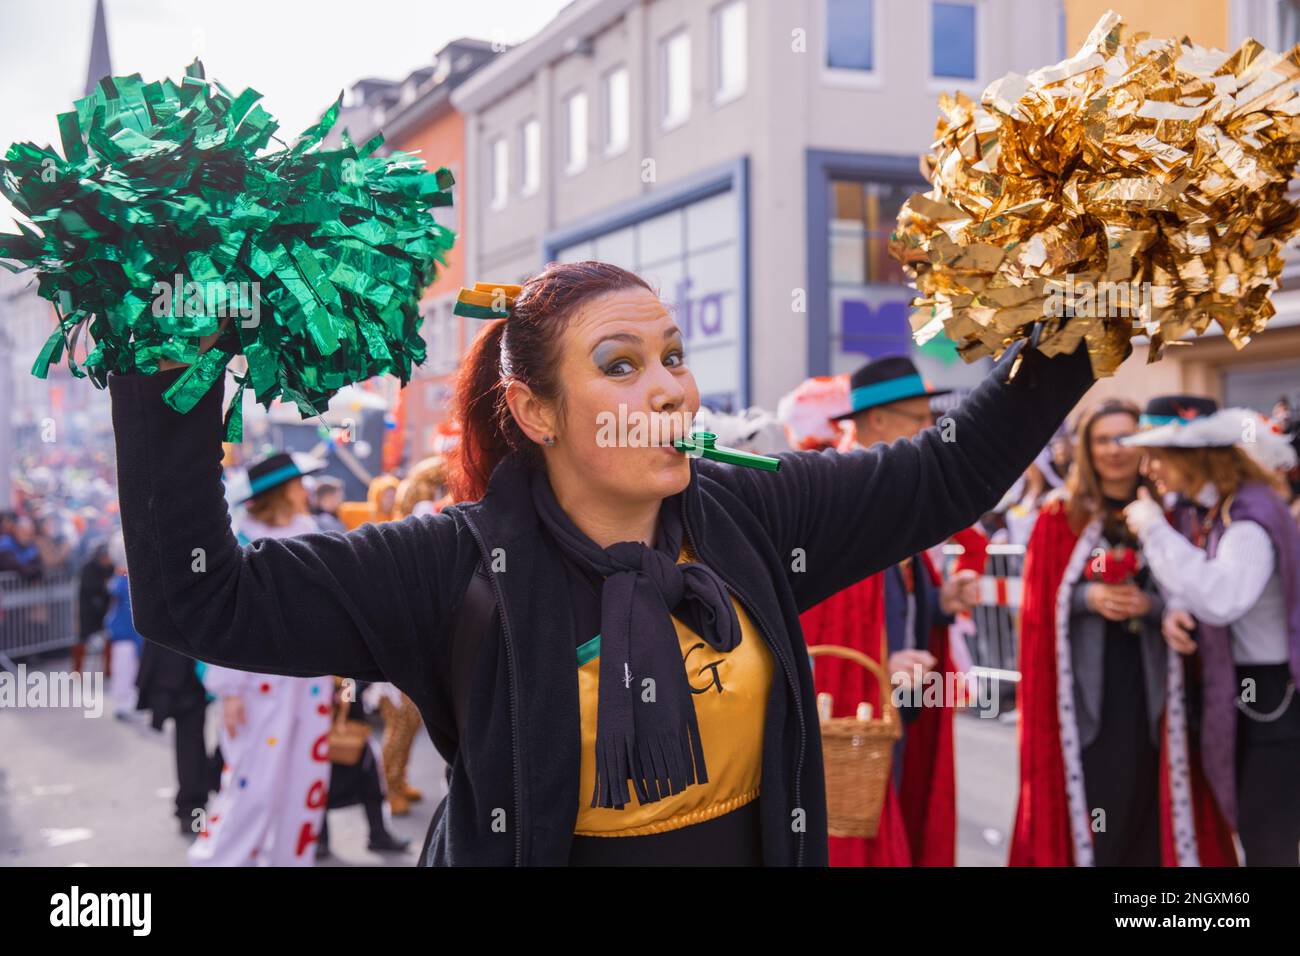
x=100 y=64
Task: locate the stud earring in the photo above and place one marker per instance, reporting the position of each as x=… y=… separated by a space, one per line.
x=548 y=440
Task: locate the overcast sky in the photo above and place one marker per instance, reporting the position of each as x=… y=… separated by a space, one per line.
x=298 y=53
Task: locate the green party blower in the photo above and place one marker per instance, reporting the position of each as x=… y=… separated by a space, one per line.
x=704 y=445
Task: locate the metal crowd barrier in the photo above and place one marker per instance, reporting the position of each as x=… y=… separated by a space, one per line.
x=994 y=646
x=36 y=616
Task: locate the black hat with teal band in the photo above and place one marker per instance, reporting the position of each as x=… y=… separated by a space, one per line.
x=276 y=469
x=886 y=380
x=1176 y=410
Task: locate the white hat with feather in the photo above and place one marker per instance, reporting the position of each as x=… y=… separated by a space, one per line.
x=1244 y=428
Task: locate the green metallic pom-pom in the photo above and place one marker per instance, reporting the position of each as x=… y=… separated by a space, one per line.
x=167 y=219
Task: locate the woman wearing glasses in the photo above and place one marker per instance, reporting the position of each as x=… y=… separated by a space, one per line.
x=1095 y=681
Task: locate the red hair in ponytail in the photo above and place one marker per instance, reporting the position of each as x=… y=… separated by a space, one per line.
x=525 y=348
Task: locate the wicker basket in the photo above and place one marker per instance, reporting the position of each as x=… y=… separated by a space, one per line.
x=857 y=755
x=347 y=737
x=347 y=741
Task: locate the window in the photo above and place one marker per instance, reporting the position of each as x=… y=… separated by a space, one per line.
x=617 y=110
x=500 y=172
x=869 y=298
x=730 y=63
x=863 y=216
x=530 y=156
x=851 y=34
x=676 y=60
x=952 y=40
x=575 y=111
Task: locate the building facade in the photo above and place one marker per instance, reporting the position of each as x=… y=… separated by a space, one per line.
x=747 y=157
x=416 y=116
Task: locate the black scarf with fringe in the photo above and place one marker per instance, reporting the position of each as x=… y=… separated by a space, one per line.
x=646 y=729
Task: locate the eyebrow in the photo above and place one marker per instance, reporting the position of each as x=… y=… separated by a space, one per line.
x=633 y=338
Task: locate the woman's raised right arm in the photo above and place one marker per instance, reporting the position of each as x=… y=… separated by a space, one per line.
x=370 y=604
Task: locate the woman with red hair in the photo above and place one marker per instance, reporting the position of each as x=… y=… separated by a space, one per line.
x=603 y=638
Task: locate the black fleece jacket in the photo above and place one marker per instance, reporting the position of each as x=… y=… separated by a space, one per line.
x=380 y=602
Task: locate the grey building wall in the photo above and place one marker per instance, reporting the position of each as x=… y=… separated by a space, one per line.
x=793 y=114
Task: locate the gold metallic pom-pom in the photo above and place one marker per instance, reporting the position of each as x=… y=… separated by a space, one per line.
x=1137 y=188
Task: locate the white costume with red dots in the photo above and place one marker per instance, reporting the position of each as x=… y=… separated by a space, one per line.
x=275 y=780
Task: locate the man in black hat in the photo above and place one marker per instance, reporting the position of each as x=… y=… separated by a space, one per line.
x=889 y=401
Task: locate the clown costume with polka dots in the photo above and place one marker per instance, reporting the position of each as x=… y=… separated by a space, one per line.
x=275 y=741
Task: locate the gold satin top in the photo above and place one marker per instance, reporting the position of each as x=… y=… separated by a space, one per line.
x=730 y=695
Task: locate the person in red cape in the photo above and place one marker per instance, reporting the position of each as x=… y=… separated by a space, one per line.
x=855 y=618
x=907 y=608
x=1106 y=773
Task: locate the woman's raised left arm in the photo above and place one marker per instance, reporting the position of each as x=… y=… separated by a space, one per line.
x=848 y=515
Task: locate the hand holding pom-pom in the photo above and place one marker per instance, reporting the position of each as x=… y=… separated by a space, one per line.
x=1137 y=188
x=166 y=217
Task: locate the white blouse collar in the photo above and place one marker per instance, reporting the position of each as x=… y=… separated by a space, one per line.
x=1208 y=496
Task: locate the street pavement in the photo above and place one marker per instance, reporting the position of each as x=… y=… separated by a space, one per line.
x=987 y=783
x=80 y=791
x=86 y=791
